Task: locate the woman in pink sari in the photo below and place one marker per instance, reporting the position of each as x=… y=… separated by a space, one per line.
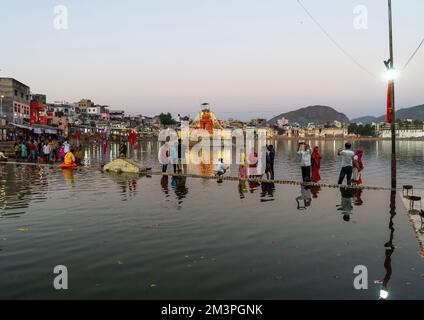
x=358 y=167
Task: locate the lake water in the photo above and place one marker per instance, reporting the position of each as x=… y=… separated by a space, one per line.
x=167 y=238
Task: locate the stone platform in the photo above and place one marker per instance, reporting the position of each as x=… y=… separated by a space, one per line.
x=126 y=166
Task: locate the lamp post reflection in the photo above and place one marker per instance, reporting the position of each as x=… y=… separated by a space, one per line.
x=389 y=249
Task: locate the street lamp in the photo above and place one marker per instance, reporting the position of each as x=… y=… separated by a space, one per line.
x=391 y=74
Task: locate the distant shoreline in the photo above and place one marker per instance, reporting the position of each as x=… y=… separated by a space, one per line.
x=346 y=139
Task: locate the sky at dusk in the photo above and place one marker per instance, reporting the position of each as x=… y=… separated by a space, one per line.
x=247 y=58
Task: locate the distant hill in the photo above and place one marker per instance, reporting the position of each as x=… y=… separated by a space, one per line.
x=366 y=119
x=415 y=113
x=313 y=114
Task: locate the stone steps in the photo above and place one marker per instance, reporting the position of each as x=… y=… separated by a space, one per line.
x=8 y=147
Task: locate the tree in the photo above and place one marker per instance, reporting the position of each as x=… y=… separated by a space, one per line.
x=166 y=119
x=361 y=130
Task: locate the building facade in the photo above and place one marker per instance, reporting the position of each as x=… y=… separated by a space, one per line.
x=16 y=101
x=402 y=131
x=84 y=105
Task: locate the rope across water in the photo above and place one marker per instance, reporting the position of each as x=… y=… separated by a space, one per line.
x=237 y=179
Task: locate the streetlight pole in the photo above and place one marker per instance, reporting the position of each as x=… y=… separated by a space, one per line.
x=1 y=106
x=392 y=89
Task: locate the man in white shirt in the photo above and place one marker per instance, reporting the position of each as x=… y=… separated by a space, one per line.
x=67 y=147
x=46 y=151
x=347 y=156
x=220 y=170
x=304 y=150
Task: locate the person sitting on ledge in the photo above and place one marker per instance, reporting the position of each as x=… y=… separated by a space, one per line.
x=69 y=158
x=220 y=170
x=3 y=157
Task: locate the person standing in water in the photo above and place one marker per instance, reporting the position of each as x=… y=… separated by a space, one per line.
x=347 y=156
x=358 y=167
x=316 y=165
x=270 y=158
x=304 y=150
x=46 y=152
x=242 y=172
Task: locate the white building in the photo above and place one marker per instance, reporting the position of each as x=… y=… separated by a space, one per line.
x=403 y=132
x=94 y=110
x=282 y=122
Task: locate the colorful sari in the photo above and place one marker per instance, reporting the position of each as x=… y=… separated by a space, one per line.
x=316 y=166
x=358 y=168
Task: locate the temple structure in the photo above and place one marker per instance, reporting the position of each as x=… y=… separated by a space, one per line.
x=206 y=120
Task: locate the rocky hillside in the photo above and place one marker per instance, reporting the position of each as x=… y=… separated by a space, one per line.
x=313 y=114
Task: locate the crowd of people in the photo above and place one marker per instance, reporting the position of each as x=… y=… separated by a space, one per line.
x=352 y=165
x=48 y=150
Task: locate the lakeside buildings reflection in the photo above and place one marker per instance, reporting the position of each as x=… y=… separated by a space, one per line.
x=18 y=187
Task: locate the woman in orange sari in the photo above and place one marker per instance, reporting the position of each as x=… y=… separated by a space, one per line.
x=316 y=165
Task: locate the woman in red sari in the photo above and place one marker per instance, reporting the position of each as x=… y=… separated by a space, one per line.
x=316 y=165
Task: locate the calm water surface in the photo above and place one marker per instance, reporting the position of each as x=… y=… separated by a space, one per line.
x=151 y=238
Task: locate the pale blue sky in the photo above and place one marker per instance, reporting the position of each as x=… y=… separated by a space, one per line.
x=246 y=57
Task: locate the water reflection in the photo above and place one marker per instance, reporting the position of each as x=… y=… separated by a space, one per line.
x=242 y=189
x=304 y=201
x=389 y=250
x=19 y=185
x=346 y=205
x=268 y=190
x=127 y=183
x=315 y=191
x=68 y=174
x=164 y=183
x=181 y=191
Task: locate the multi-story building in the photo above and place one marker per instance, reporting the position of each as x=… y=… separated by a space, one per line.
x=84 y=105
x=94 y=111
x=39 y=98
x=15 y=105
x=38 y=113
x=116 y=115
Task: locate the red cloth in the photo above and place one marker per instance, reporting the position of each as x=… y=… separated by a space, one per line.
x=132 y=138
x=316 y=166
x=389 y=103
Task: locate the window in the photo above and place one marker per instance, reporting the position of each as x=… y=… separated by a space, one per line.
x=16 y=93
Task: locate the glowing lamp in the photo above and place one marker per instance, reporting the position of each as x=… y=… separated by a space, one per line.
x=391 y=74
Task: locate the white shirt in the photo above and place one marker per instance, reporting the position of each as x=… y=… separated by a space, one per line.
x=219 y=167
x=67 y=147
x=306 y=157
x=347 y=158
x=46 y=149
